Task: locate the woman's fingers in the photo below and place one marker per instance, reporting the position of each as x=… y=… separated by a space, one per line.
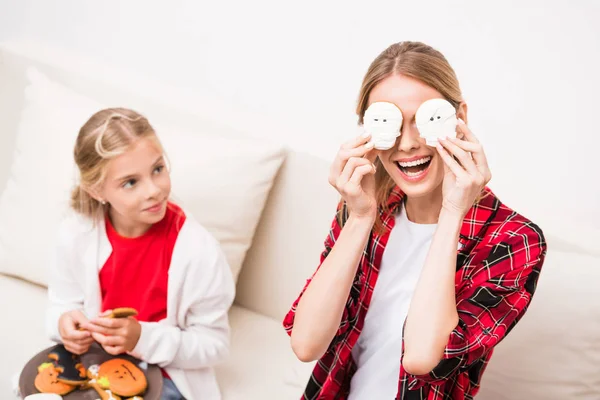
x=359 y=173
x=478 y=154
x=356 y=147
x=464 y=157
x=349 y=168
x=450 y=162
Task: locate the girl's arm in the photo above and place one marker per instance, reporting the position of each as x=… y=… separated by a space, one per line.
x=207 y=292
x=65 y=293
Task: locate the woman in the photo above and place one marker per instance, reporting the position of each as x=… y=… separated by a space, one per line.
x=424 y=269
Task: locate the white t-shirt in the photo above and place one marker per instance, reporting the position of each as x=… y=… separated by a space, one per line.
x=378 y=350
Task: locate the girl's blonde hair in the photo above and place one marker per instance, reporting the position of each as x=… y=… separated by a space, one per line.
x=106 y=135
x=416 y=60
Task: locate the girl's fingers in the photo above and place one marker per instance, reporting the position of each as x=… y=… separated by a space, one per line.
x=114 y=350
x=99 y=329
x=76 y=334
x=113 y=323
x=109 y=340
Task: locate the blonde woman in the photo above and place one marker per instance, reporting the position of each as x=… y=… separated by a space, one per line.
x=424 y=270
x=128 y=245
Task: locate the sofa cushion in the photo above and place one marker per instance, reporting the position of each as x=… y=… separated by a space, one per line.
x=24 y=310
x=222 y=178
x=553 y=353
x=262 y=364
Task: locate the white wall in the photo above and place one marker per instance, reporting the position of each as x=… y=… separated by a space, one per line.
x=528 y=71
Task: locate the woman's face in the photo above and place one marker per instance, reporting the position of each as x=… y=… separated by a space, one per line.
x=415 y=167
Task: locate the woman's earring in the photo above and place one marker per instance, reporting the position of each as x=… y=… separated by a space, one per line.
x=102 y=202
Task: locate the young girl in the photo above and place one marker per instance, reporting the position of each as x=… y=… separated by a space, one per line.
x=129 y=246
x=395 y=311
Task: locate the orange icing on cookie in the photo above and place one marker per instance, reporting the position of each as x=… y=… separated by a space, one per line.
x=122 y=377
x=46 y=381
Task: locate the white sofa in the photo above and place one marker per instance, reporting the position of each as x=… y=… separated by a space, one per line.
x=554 y=353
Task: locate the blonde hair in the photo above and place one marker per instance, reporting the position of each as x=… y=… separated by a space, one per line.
x=106 y=135
x=418 y=61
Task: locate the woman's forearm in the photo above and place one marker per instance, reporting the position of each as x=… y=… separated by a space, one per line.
x=320 y=310
x=432 y=314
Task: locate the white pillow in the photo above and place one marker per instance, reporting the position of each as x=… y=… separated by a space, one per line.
x=224 y=183
x=554 y=351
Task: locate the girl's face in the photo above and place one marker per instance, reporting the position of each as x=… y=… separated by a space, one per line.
x=137 y=187
x=415 y=167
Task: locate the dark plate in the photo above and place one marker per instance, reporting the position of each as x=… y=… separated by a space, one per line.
x=96 y=355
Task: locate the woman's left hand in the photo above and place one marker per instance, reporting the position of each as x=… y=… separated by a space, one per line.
x=463 y=180
x=115 y=335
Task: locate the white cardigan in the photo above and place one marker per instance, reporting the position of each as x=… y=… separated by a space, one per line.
x=195 y=334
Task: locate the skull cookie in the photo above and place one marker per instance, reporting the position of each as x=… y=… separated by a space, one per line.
x=436 y=118
x=121 y=377
x=383 y=121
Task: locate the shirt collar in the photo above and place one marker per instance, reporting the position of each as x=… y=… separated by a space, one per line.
x=475 y=220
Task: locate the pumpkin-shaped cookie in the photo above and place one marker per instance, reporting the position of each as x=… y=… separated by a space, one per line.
x=122 y=377
x=47 y=381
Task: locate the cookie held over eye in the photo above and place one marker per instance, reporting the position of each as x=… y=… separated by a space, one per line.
x=383 y=120
x=436 y=119
x=122 y=378
x=47 y=381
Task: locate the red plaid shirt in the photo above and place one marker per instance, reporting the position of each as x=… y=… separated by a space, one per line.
x=498 y=264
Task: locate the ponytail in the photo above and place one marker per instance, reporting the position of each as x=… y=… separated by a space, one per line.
x=84 y=204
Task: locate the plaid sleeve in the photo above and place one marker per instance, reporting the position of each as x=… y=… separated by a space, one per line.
x=492 y=303
x=334 y=232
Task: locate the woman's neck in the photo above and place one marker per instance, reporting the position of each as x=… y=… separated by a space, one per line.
x=426 y=209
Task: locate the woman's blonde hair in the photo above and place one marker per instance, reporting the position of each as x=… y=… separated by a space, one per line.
x=416 y=60
x=106 y=135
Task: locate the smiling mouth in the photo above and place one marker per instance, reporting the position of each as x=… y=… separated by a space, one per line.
x=154 y=207
x=416 y=167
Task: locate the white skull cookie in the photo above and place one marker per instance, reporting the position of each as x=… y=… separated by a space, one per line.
x=436 y=118
x=382 y=121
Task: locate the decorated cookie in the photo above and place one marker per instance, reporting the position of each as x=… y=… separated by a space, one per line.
x=104 y=394
x=123 y=312
x=47 y=381
x=71 y=371
x=383 y=121
x=436 y=118
x=43 y=396
x=92 y=371
x=121 y=377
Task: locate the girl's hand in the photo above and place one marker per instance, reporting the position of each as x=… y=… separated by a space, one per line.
x=115 y=335
x=75 y=340
x=352 y=174
x=464 y=179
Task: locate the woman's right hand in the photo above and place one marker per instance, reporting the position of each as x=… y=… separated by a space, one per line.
x=75 y=340
x=352 y=174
